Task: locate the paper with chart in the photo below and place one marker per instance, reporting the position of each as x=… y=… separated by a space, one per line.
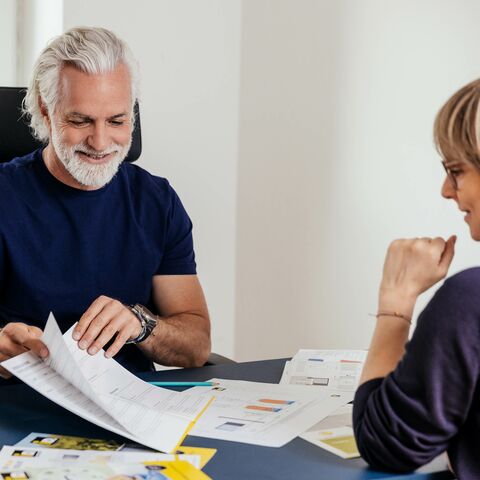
x=100 y=390
x=264 y=413
x=328 y=369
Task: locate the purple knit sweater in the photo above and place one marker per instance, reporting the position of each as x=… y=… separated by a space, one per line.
x=431 y=402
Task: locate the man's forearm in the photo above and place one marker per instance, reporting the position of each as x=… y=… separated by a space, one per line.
x=181 y=340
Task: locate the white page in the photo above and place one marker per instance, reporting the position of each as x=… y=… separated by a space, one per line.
x=14 y=457
x=157 y=415
x=325 y=369
x=160 y=424
x=264 y=413
x=105 y=378
x=37 y=374
x=112 y=382
x=41 y=377
x=285 y=380
x=154 y=427
x=338 y=425
x=340 y=418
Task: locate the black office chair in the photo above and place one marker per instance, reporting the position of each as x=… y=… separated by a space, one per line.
x=16 y=140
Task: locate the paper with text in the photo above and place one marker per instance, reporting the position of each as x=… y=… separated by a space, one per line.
x=100 y=390
x=326 y=369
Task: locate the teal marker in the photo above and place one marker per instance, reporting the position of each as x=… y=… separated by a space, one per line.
x=183 y=384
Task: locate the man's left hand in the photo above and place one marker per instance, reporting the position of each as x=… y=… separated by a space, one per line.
x=104 y=319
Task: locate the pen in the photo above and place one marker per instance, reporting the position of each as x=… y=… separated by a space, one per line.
x=183 y=384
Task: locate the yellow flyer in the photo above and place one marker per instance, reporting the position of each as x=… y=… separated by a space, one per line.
x=205 y=454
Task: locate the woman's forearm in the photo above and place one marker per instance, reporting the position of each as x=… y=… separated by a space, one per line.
x=390 y=336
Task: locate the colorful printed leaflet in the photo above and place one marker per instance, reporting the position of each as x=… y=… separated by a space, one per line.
x=264 y=413
x=55 y=464
x=197 y=456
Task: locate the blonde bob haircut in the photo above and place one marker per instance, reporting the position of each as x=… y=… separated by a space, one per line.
x=91 y=50
x=457 y=126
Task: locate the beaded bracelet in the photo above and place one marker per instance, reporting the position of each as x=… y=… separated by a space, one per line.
x=392 y=314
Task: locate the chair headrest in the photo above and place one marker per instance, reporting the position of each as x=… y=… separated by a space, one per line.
x=16 y=139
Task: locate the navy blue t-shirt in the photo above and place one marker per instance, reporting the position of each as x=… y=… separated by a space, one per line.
x=61 y=247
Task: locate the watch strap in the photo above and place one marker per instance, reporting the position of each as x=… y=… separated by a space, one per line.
x=146 y=319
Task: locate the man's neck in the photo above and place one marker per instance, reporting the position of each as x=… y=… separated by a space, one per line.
x=57 y=169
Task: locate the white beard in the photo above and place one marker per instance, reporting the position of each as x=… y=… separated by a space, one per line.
x=85 y=173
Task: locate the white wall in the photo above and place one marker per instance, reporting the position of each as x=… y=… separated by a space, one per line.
x=189 y=56
x=38 y=21
x=8 y=32
x=336 y=159
x=298 y=134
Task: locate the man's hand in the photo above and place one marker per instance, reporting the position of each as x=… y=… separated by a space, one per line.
x=104 y=319
x=17 y=338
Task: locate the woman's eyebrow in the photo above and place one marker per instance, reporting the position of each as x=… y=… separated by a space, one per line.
x=454 y=163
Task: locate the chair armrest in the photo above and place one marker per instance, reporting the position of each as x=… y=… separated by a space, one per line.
x=216 y=359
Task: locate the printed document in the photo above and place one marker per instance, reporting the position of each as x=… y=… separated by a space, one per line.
x=335 y=434
x=264 y=413
x=18 y=458
x=44 y=464
x=326 y=369
x=101 y=391
x=53 y=441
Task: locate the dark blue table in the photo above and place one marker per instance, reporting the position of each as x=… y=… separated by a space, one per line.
x=22 y=410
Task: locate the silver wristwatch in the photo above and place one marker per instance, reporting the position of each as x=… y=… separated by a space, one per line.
x=147 y=319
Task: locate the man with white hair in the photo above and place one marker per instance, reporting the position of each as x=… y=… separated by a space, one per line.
x=87 y=236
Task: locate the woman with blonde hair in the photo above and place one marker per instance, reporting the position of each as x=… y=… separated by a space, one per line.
x=421 y=398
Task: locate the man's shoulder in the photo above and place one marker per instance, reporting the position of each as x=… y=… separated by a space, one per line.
x=141 y=180
x=25 y=162
x=18 y=167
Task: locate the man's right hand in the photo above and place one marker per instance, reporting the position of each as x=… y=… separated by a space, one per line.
x=17 y=338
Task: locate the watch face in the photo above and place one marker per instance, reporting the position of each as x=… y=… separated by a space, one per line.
x=149 y=318
x=151 y=323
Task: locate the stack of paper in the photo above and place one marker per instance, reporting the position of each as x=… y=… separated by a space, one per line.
x=101 y=391
x=18 y=462
x=42 y=456
x=197 y=456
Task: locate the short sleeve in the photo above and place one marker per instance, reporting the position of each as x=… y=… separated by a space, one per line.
x=2 y=263
x=409 y=417
x=179 y=255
